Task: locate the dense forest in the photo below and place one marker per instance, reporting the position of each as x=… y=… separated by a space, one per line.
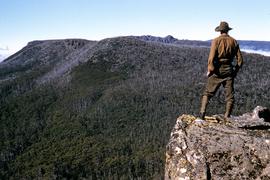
x=73 y=109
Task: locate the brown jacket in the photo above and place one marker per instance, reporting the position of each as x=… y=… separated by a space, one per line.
x=224 y=47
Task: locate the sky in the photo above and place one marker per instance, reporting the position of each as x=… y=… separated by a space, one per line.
x=22 y=21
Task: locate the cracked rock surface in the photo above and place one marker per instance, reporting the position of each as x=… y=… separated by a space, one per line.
x=238 y=148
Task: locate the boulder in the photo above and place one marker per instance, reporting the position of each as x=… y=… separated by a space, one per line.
x=218 y=148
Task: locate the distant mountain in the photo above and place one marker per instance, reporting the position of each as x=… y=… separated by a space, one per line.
x=79 y=109
x=255 y=45
x=171 y=40
x=168 y=39
x=259 y=47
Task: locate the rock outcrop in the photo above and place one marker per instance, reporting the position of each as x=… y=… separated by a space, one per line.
x=238 y=148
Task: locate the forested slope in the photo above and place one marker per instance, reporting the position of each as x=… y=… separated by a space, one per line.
x=110 y=113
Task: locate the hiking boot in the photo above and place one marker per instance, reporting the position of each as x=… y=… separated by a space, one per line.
x=202 y=116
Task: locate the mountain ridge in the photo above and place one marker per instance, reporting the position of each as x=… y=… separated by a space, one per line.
x=251 y=46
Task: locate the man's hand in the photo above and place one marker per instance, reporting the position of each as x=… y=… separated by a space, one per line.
x=235 y=71
x=209 y=73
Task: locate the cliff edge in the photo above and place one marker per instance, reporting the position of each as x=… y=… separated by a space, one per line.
x=216 y=148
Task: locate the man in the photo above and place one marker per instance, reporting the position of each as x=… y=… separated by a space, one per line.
x=220 y=68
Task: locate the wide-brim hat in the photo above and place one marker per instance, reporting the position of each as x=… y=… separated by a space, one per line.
x=224 y=26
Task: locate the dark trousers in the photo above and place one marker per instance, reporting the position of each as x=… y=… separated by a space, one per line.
x=213 y=83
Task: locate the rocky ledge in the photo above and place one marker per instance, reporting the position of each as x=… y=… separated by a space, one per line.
x=238 y=148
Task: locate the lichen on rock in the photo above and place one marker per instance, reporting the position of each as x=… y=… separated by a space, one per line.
x=238 y=148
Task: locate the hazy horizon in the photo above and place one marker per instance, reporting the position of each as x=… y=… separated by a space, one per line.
x=24 y=21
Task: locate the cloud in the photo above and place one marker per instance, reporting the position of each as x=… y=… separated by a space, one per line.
x=4 y=52
x=265 y=53
x=4 y=47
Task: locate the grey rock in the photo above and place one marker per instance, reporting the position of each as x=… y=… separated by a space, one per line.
x=218 y=148
x=258 y=119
